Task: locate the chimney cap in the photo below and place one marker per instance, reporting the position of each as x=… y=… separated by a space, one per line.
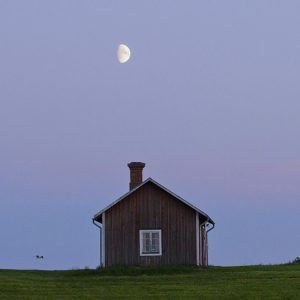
x=136 y=164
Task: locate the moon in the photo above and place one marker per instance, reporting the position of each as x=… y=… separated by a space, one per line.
x=123 y=53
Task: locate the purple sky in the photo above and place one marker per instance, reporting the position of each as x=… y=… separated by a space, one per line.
x=210 y=101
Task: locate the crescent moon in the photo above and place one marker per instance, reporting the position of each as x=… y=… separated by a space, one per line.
x=123 y=53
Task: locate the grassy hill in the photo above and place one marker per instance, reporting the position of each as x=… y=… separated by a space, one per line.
x=247 y=282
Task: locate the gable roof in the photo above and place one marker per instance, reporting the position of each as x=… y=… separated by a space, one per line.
x=97 y=215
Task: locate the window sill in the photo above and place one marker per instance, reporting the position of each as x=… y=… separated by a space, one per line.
x=150 y=254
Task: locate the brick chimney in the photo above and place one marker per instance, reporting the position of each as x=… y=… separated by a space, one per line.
x=136 y=174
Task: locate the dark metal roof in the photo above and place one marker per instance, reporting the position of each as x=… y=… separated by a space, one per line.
x=97 y=216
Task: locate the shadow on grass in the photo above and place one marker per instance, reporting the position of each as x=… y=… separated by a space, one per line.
x=137 y=271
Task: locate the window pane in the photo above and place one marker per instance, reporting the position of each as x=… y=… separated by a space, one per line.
x=155 y=246
x=147 y=249
x=146 y=235
x=146 y=242
x=155 y=235
x=144 y=246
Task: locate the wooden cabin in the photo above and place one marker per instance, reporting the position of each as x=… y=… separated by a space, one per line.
x=150 y=225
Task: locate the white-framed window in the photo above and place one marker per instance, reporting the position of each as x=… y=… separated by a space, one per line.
x=150 y=242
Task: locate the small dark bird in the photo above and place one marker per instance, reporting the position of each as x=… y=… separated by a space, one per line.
x=39 y=257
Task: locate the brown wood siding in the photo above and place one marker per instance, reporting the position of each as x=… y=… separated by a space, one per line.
x=150 y=208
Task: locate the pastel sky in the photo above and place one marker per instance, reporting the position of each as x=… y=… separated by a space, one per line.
x=210 y=101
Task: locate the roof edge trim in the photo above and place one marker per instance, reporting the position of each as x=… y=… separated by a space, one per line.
x=163 y=188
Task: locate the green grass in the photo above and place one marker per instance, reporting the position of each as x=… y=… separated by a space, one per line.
x=247 y=282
